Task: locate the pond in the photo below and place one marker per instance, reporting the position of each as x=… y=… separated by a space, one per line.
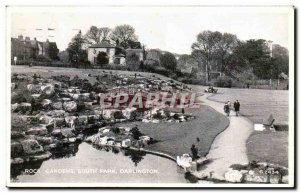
x=84 y=163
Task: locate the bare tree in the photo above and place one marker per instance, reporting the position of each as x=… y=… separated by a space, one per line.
x=123 y=34
x=96 y=35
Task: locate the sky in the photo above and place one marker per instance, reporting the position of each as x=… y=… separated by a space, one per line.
x=172 y=29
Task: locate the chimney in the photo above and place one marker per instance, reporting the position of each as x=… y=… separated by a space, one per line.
x=20 y=38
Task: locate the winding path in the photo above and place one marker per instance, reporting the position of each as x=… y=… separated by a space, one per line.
x=229 y=147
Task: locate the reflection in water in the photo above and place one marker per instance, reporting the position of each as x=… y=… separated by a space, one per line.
x=66 y=151
x=106 y=167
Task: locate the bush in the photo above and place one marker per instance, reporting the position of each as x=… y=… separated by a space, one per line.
x=102 y=58
x=223 y=82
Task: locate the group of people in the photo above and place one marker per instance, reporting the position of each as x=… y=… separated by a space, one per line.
x=236 y=106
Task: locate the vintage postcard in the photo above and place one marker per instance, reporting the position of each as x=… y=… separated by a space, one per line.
x=150 y=96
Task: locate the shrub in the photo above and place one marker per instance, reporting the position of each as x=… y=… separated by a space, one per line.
x=102 y=58
x=223 y=82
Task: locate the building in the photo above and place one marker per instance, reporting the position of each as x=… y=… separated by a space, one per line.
x=106 y=47
x=24 y=48
x=115 y=54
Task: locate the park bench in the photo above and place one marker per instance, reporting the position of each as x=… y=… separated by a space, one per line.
x=267 y=124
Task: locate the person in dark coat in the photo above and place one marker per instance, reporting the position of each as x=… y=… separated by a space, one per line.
x=227 y=108
x=236 y=107
x=194 y=151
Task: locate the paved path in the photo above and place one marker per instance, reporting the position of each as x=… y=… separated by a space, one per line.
x=229 y=147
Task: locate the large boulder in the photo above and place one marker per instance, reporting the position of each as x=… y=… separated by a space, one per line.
x=14 y=107
x=57 y=105
x=48 y=89
x=82 y=120
x=38 y=130
x=46 y=103
x=23 y=107
x=70 y=106
x=33 y=88
x=255 y=177
x=43 y=156
x=56 y=113
x=44 y=140
x=70 y=120
x=67 y=132
x=45 y=119
x=16 y=149
x=31 y=146
x=234 y=176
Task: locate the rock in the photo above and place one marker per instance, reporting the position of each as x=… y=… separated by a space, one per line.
x=79 y=138
x=48 y=89
x=44 y=140
x=70 y=106
x=46 y=103
x=65 y=99
x=285 y=179
x=69 y=140
x=33 y=88
x=16 y=149
x=35 y=96
x=31 y=146
x=14 y=107
x=56 y=133
x=38 y=130
x=13 y=85
x=67 y=132
x=16 y=134
x=70 y=120
x=88 y=105
x=234 y=176
x=57 y=105
x=256 y=178
x=274 y=179
x=56 y=113
x=47 y=120
x=82 y=120
x=204 y=182
x=126 y=143
x=202 y=175
x=17 y=160
x=59 y=122
x=43 y=156
x=24 y=107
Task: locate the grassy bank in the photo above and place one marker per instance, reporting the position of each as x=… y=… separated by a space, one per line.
x=177 y=138
x=268 y=146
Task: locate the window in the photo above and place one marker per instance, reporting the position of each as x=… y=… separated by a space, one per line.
x=107 y=50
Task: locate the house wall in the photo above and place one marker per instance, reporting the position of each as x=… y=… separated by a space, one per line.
x=93 y=52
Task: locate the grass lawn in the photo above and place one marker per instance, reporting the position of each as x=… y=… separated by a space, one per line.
x=258 y=104
x=177 y=138
x=268 y=146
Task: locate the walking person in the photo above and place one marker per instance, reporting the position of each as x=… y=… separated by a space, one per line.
x=194 y=151
x=227 y=108
x=236 y=106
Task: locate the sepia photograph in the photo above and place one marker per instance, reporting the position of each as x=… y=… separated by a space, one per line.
x=150 y=96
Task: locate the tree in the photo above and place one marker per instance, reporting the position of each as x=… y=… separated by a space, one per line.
x=77 y=54
x=206 y=47
x=102 y=58
x=225 y=47
x=132 y=60
x=96 y=35
x=123 y=34
x=254 y=54
x=280 y=60
x=168 y=61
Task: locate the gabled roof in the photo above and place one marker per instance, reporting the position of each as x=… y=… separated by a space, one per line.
x=102 y=45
